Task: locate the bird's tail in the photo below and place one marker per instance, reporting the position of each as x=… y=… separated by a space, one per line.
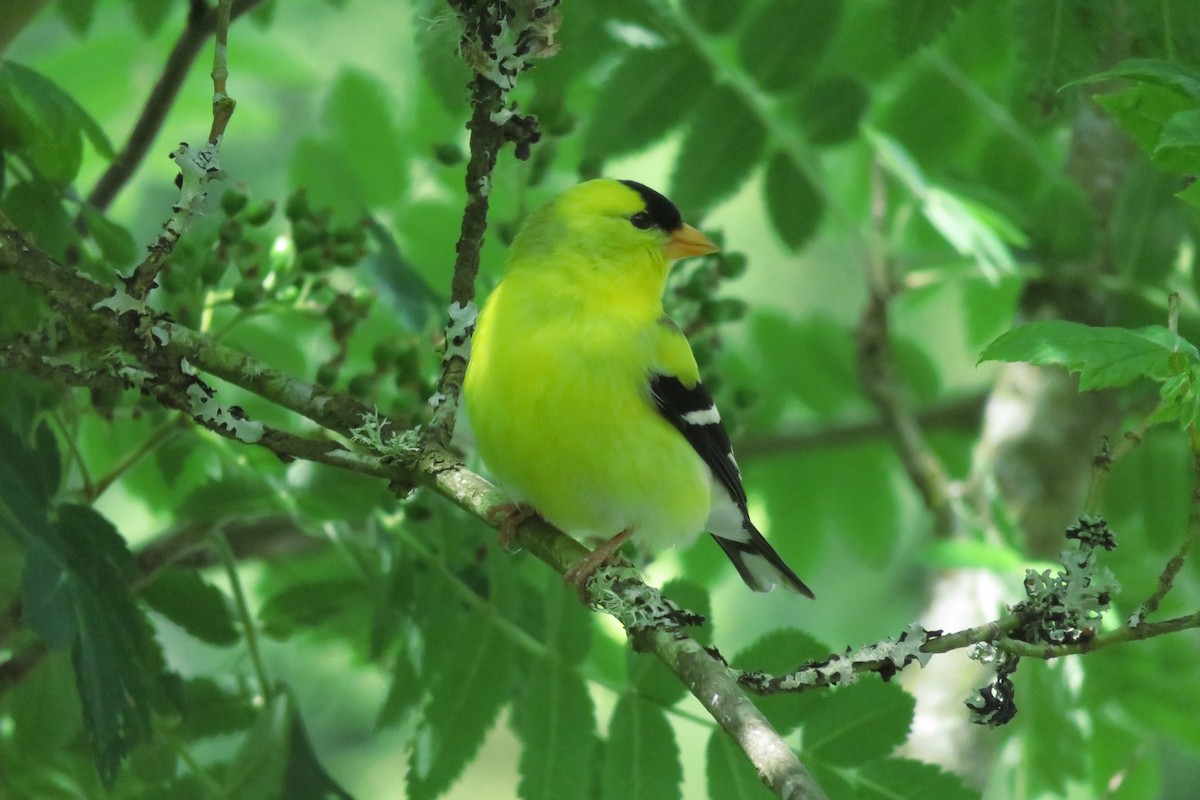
x=758 y=563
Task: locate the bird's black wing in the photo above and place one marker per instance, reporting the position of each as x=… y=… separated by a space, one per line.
x=692 y=411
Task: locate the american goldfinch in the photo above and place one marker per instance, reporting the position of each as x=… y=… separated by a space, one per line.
x=585 y=398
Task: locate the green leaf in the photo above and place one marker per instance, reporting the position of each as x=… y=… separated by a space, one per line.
x=905 y=779
x=36 y=208
x=182 y=596
x=406 y=690
x=209 y=710
x=918 y=22
x=149 y=14
x=411 y=295
x=714 y=16
x=785 y=40
x=46 y=464
x=1144 y=112
x=336 y=494
x=363 y=162
x=276 y=759
x=971 y=228
x=641 y=758
x=1125 y=765
x=649 y=94
x=1179 y=144
x=307 y=605
x=116 y=244
x=44 y=707
x=1149 y=495
x=793 y=202
x=730 y=774
x=44 y=125
x=1103 y=357
x=971 y=554
x=566 y=627
x=553 y=717
x=1058 y=43
x=797 y=350
x=74 y=595
x=468 y=679
x=446 y=73
x=238 y=495
x=716 y=159
x=1191 y=194
x=857 y=724
x=830 y=109
x=1053 y=736
x=77 y=14
x=1172 y=75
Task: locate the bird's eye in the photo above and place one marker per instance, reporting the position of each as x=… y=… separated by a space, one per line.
x=641 y=220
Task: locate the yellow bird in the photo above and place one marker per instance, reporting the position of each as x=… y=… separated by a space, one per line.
x=584 y=397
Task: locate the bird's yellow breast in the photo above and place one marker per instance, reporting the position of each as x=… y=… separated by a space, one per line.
x=557 y=395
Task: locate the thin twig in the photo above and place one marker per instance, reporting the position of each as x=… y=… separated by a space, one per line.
x=157 y=437
x=493 y=123
x=201 y=23
x=196 y=167
x=882 y=383
x=249 y=629
x=1166 y=580
x=1125 y=633
x=960 y=414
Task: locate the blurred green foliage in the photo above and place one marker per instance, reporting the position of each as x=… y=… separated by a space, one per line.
x=996 y=161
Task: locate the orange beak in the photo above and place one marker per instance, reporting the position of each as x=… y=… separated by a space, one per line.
x=686 y=242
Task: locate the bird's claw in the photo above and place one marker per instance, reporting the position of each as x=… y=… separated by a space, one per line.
x=508 y=517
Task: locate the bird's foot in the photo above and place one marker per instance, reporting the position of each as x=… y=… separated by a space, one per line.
x=508 y=517
x=582 y=570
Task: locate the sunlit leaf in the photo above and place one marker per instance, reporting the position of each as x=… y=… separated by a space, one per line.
x=969 y=226
x=1103 y=357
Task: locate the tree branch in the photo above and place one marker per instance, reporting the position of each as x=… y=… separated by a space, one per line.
x=486 y=27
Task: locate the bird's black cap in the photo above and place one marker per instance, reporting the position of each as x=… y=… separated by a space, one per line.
x=664 y=213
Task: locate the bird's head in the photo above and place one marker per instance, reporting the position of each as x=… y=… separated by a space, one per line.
x=619 y=226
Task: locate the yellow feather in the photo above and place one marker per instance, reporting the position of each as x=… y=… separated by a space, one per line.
x=557 y=385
